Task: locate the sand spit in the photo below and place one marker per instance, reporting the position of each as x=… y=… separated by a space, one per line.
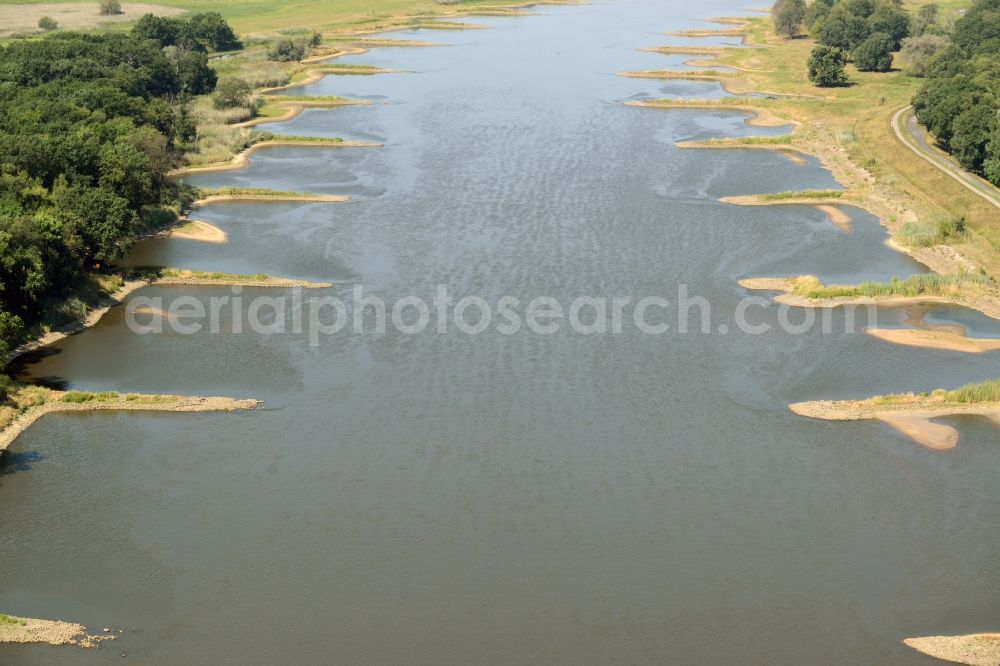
x=971 y=649
x=941 y=340
x=317 y=73
x=170 y=277
x=119 y=402
x=198 y=231
x=54 y=632
x=729 y=82
x=710 y=32
x=792 y=153
x=382 y=43
x=760 y=117
x=837 y=217
x=910 y=416
x=296 y=105
x=242 y=160
x=987 y=303
x=685 y=50
x=329 y=53
x=284 y=196
x=432 y=23
x=199 y=279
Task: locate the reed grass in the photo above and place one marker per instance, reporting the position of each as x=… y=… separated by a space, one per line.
x=802 y=194
x=915 y=285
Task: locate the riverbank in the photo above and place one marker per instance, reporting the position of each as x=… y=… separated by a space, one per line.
x=848 y=129
x=15 y=629
x=971 y=649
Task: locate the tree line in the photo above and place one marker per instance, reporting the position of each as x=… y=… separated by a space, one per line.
x=90 y=126
x=959 y=103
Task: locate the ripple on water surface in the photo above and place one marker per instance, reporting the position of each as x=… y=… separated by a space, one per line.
x=559 y=498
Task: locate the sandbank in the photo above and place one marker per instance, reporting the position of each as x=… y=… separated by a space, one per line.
x=910 y=417
x=119 y=402
x=941 y=340
x=760 y=117
x=971 y=649
x=199 y=231
x=54 y=632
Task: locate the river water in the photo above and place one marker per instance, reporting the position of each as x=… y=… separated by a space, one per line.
x=524 y=499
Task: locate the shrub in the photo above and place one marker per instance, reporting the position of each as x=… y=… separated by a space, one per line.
x=232 y=93
x=917 y=52
x=874 y=54
x=826 y=66
x=111 y=7
x=6 y=384
x=47 y=23
x=286 y=50
x=788 y=15
x=917 y=234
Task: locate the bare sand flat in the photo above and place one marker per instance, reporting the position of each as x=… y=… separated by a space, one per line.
x=199 y=231
x=837 y=216
x=911 y=417
x=922 y=430
x=73 y=15
x=931 y=339
x=972 y=649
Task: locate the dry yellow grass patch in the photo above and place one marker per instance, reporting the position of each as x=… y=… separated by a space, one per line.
x=73 y=15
